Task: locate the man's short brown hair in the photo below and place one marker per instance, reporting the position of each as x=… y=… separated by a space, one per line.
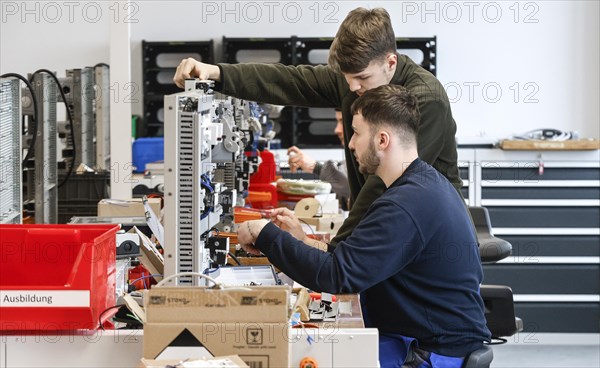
x=365 y=35
x=390 y=105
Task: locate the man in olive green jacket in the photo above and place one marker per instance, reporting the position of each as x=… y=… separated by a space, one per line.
x=362 y=56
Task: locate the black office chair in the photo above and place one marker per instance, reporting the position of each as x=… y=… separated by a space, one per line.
x=497 y=299
x=491 y=249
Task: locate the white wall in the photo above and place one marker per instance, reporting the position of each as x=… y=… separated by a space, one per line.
x=541 y=56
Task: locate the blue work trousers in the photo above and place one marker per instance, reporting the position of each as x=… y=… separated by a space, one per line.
x=398 y=351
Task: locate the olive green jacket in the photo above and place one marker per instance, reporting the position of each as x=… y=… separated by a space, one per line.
x=321 y=86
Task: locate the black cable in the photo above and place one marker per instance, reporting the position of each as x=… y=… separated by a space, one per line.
x=62 y=93
x=104 y=311
x=235 y=259
x=102 y=64
x=34 y=120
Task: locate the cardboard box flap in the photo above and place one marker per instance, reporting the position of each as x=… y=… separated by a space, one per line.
x=132 y=207
x=254 y=342
x=197 y=305
x=170 y=335
x=233 y=361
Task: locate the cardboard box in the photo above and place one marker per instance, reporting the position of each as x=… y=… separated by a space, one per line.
x=230 y=361
x=329 y=223
x=130 y=208
x=251 y=322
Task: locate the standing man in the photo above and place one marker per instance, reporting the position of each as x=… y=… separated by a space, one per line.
x=413 y=256
x=363 y=56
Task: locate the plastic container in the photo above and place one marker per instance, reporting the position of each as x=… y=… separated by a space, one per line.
x=147 y=150
x=56 y=277
x=80 y=195
x=87 y=187
x=68 y=210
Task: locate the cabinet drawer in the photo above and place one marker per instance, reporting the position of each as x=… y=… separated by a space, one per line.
x=557 y=317
x=464 y=173
x=529 y=172
x=580 y=217
x=553 y=246
x=545 y=278
x=539 y=193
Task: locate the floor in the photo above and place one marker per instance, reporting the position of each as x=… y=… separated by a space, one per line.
x=549 y=351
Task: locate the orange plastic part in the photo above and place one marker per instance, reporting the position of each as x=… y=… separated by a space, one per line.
x=141 y=274
x=308 y=362
x=241 y=214
x=259 y=197
x=265 y=188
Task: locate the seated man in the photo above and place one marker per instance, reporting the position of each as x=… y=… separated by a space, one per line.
x=332 y=172
x=414 y=254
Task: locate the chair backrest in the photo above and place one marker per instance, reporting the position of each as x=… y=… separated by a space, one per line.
x=491 y=248
x=481 y=220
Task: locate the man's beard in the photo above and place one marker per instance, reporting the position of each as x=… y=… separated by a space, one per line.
x=369 y=162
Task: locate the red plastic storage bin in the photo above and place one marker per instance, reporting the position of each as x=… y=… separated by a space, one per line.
x=56 y=277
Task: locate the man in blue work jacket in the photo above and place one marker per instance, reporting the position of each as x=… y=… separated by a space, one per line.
x=413 y=256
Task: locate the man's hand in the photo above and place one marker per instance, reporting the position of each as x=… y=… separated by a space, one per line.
x=287 y=220
x=191 y=68
x=247 y=234
x=251 y=249
x=299 y=160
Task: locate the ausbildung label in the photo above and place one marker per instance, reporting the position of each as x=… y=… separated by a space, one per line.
x=44 y=298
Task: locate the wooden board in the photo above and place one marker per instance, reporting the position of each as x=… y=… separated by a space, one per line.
x=538 y=145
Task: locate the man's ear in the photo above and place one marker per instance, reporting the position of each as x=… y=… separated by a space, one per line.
x=383 y=140
x=391 y=60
